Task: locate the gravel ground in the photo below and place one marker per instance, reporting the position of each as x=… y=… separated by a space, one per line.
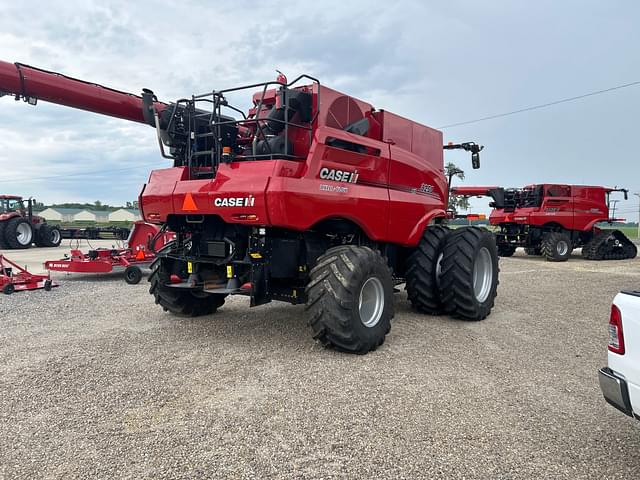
x=97 y=382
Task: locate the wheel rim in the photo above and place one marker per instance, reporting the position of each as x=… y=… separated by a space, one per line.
x=371 y=302
x=562 y=247
x=55 y=236
x=482 y=275
x=23 y=234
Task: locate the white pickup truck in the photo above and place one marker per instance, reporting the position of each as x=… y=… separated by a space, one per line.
x=620 y=380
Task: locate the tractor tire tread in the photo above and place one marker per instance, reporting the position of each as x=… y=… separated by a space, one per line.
x=332 y=296
x=421 y=282
x=548 y=247
x=599 y=247
x=11 y=233
x=456 y=280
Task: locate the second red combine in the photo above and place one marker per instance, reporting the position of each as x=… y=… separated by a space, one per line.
x=553 y=219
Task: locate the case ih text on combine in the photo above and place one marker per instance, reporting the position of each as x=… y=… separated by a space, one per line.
x=551 y=220
x=310 y=197
x=19 y=227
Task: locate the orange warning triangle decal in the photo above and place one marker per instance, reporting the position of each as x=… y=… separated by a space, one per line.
x=188 y=203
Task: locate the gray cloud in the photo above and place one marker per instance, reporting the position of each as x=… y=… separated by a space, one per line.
x=435 y=63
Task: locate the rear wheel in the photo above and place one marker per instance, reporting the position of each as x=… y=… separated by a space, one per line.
x=8 y=289
x=556 y=247
x=18 y=233
x=423 y=269
x=48 y=236
x=185 y=303
x=350 y=299
x=506 y=250
x=469 y=278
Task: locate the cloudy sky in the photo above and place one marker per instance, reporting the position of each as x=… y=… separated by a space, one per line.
x=436 y=62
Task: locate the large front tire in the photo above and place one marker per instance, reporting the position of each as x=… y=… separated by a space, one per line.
x=469 y=278
x=423 y=269
x=184 y=303
x=350 y=299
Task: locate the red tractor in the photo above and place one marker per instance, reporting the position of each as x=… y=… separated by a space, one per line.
x=20 y=228
x=311 y=197
x=551 y=220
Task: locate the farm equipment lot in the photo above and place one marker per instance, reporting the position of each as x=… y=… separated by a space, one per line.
x=95 y=380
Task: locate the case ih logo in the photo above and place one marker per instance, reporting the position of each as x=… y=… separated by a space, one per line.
x=338 y=175
x=235 y=201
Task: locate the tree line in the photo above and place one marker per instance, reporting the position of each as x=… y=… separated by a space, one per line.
x=97 y=206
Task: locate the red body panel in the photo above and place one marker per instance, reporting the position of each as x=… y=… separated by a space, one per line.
x=8 y=215
x=393 y=199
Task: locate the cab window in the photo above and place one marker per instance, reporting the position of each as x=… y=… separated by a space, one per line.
x=558 y=191
x=12 y=205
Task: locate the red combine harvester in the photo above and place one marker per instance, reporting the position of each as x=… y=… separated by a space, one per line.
x=144 y=240
x=551 y=220
x=19 y=227
x=311 y=196
x=14 y=278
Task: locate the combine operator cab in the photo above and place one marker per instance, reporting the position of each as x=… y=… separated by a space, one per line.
x=201 y=132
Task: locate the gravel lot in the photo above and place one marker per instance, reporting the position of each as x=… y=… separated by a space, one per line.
x=96 y=381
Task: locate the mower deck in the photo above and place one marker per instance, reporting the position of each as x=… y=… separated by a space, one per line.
x=143 y=240
x=14 y=278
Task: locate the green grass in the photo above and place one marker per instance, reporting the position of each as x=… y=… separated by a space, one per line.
x=631 y=232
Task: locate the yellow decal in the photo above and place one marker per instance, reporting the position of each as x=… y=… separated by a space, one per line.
x=229 y=271
x=189 y=267
x=256 y=255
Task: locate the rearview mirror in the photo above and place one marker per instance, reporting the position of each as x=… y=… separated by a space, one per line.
x=475 y=160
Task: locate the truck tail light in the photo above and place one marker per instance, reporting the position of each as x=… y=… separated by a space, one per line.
x=616 y=338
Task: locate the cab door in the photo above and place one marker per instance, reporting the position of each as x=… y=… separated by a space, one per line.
x=558 y=205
